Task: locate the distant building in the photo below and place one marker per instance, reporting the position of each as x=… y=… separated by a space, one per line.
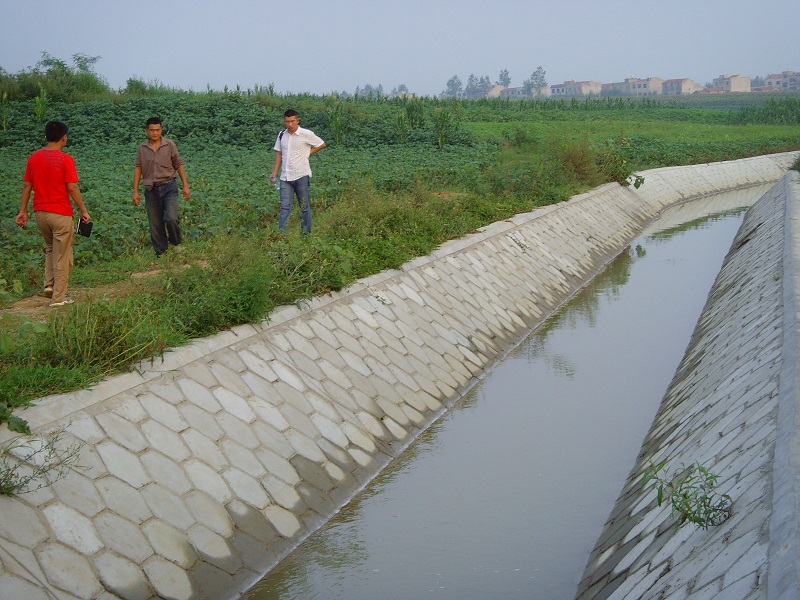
x=541 y=92
x=680 y=87
x=514 y=93
x=495 y=91
x=732 y=83
x=787 y=80
x=652 y=86
x=634 y=86
x=576 y=89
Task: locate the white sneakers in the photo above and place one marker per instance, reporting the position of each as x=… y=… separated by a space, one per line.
x=64 y=303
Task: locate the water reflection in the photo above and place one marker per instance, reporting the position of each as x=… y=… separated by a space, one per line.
x=505 y=496
x=582 y=311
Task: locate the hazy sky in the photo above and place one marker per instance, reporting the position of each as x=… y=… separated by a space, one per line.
x=321 y=46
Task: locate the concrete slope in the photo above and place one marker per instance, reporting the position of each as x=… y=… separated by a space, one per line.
x=732 y=407
x=204 y=469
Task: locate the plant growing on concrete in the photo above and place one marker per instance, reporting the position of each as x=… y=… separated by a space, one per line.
x=32 y=463
x=690 y=490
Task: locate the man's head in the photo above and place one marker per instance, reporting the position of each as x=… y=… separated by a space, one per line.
x=54 y=131
x=291 y=120
x=154 y=128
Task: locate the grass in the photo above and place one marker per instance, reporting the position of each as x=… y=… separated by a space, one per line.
x=377 y=203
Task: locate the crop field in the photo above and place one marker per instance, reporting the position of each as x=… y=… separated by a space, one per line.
x=398 y=178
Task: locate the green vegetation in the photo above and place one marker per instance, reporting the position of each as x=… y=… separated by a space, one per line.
x=690 y=490
x=400 y=177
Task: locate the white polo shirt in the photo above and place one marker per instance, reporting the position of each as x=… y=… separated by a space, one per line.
x=295 y=148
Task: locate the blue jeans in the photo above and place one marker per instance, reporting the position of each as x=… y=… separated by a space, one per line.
x=161 y=203
x=290 y=189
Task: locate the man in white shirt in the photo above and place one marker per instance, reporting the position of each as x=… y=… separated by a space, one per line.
x=292 y=149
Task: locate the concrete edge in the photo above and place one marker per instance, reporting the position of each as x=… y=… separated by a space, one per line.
x=783 y=580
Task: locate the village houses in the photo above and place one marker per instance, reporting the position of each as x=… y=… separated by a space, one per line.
x=654 y=86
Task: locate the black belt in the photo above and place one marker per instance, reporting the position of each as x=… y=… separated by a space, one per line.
x=163 y=183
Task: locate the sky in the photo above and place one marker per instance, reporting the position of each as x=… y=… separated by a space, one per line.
x=322 y=46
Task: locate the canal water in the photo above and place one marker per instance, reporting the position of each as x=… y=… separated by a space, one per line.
x=505 y=495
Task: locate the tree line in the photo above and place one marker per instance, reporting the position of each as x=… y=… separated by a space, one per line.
x=478 y=87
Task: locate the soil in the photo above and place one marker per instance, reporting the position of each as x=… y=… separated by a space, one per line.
x=37 y=307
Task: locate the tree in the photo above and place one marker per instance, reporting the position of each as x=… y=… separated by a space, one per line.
x=537 y=83
x=471 y=89
x=484 y=85
x=60 y=81
x=84 y=63
x=400 y=89
x=50 y=65
x=454 y=87
x=477 y=87
x=370 y=91
x=504 y=79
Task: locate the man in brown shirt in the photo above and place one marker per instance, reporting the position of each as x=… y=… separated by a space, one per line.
x=157 y=163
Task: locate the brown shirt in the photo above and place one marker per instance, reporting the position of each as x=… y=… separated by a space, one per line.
x=158 y=166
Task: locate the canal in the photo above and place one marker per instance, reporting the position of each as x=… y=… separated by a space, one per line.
x=505 y=495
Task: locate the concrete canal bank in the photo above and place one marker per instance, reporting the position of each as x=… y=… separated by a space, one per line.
x=206 y=468
x=733 y=407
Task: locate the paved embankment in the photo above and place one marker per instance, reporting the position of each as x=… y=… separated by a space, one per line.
x=732 y=406
x=204 y=469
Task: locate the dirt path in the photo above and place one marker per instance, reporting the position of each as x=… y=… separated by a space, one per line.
x=37 y=307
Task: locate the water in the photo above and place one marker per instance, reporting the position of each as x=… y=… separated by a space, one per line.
x=505 y=495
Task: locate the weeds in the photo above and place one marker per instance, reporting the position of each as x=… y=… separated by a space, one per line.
x=34 y=463
x=105 y=335
x=690 y=490
x=76 y=347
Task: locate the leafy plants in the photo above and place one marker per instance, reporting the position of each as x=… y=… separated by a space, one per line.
x=445 y=122
x=409 y=173
x=4 y=112
x=690 y=490
x=40 y=104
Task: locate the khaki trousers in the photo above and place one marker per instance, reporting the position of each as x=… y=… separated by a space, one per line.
x=58 y=234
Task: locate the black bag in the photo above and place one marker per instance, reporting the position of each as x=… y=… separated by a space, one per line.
x=84 y=229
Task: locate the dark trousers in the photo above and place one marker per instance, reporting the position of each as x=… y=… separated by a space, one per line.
x=161 y=203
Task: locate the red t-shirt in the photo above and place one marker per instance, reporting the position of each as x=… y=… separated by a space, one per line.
x=49 y=172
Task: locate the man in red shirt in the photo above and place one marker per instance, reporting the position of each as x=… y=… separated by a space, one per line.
x=52 y=176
